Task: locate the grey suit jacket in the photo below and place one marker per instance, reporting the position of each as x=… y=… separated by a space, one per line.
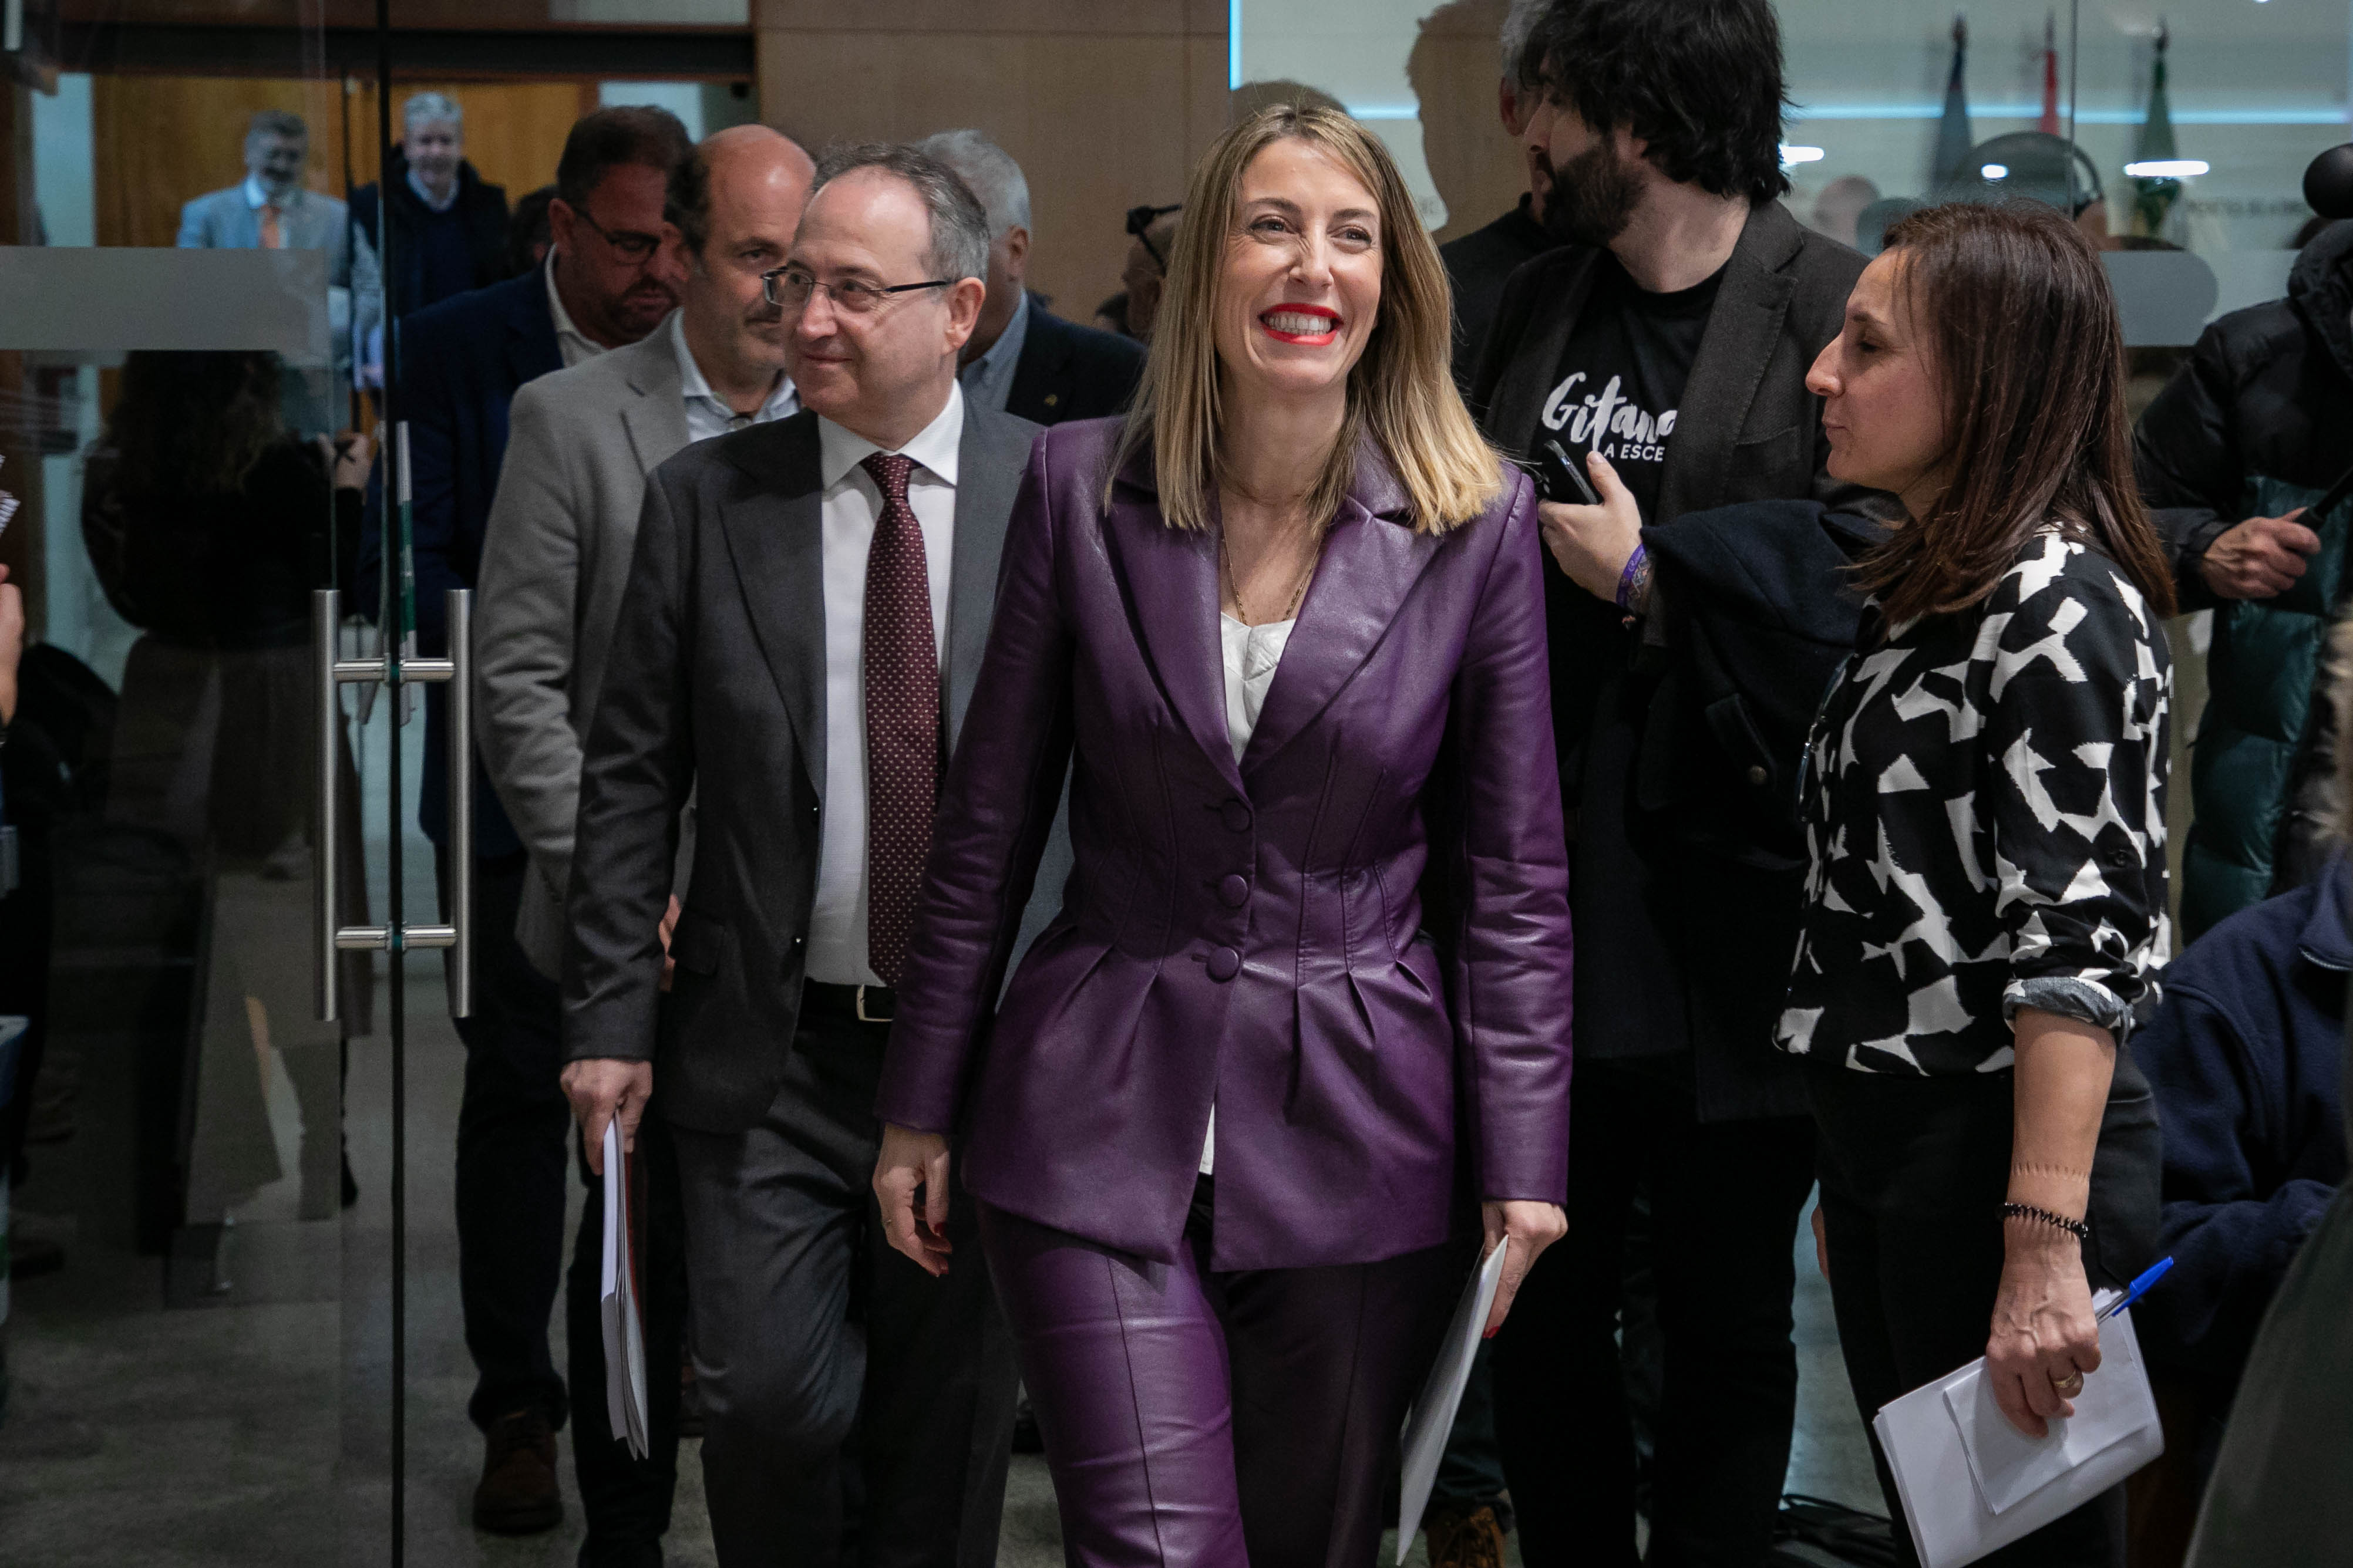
x=556 y=558
x=220 y=220
x=714 y=685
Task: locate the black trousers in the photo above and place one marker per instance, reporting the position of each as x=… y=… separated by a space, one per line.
x=516 y=1143
x=1914 y=1172
x=855 y=1409
x=1725 y=1199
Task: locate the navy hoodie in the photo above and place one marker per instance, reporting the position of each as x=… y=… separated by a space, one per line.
x=2247 y=1058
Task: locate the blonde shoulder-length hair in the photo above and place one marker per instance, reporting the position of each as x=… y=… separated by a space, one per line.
x=1401 y=392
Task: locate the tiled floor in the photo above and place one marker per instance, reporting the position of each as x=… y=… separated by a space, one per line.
x=256 y=1431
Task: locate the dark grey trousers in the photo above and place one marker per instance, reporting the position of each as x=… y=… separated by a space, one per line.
x=856 y=1410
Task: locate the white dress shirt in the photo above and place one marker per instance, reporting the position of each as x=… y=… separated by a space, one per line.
x=576 y=346
x=1251 y=656
x=707 y=415
x=988 y=380
x=850 y=507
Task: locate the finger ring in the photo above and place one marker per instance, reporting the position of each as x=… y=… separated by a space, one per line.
x=2070 y=1385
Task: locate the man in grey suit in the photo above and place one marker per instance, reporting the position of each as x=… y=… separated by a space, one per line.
x=555 y=560
x=271 y=210
x=804 y=622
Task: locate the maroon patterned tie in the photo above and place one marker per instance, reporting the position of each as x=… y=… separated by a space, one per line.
x=902 y=717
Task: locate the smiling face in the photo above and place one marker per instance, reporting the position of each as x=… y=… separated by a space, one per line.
x=1883 y=408
x=1300 y=290
x=433 y=148
x=884 y=372
x=276 y=160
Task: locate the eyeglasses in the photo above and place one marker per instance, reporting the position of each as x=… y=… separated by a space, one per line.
x=630 y=245
x=789 y=288
x=1140 y=219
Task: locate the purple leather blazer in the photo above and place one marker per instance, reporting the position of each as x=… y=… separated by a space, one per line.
x=1251 y=935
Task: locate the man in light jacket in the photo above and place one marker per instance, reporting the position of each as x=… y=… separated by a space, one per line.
x=555 y=559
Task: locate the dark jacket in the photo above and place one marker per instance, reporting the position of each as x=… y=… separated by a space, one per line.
x=462 y=362
x=1747 y=430
x=1478 y=265
x=2253 y=425
x=1070 y=372
x=2247 y=1058
x=1765 y=615
x=716 y=687
x=480 y=208
x=1248 y=934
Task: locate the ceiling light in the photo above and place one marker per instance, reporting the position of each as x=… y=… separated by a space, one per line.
x=1794 y=155
x=2166 y=169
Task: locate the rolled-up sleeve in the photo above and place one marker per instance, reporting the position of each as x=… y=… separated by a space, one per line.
x=2077 y=729
x=1512 y=943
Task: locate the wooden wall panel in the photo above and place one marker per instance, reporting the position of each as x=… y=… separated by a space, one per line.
x=159 y=140
x=1104 y=103
x=514 y=131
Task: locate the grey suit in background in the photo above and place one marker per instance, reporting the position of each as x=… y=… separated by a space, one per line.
x=555 y=559
x=715 y=684
x=225 y=220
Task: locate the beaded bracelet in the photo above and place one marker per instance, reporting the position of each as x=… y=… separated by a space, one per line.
x=1634 y=580
x=2074 y=1227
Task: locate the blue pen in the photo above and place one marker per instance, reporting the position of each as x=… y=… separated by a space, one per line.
x=2137 y=1289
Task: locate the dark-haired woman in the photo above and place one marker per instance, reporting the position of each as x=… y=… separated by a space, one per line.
x=1985 y=810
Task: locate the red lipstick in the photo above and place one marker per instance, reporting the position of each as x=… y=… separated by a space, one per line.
x=1293 y=318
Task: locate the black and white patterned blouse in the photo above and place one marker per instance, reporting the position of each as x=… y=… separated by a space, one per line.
x=1985 y=809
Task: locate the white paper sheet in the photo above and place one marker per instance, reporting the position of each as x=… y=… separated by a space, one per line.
x=1432 y=1421
x=1968 y=1490
x=625 y=1342
x=2008 y=1466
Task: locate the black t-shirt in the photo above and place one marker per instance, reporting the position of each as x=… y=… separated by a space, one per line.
x=1620 y=384
x=1621 y=377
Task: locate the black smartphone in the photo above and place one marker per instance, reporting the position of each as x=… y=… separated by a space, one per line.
x=1560 y=477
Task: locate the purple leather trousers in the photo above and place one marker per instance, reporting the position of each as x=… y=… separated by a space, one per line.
x=1201 y=1420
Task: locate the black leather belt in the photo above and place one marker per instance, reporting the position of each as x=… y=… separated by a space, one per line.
x=866 y=1004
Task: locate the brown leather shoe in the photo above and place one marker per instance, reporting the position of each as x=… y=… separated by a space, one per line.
x=1465 y=1538
x=517 y=1495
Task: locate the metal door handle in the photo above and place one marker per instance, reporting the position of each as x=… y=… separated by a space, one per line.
x=329 y=675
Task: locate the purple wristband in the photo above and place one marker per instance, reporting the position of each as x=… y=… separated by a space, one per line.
x=1632 y=576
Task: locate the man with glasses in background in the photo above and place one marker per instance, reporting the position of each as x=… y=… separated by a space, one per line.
x=608 y=280
x=806 y=615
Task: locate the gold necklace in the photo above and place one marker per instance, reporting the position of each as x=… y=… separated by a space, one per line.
x=1298 y=594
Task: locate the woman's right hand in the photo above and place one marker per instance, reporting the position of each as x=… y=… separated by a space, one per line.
x=912 y=1161
x=1525 y=1229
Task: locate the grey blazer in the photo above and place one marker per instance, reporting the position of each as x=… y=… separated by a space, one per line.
x=220 y=220
x=555 y=557
x=714 y=685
